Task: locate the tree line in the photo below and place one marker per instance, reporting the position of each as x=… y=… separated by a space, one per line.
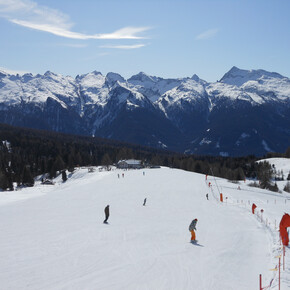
x=27 y=153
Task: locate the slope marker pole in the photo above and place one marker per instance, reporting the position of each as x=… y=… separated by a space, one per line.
x=283 y=258
x=279 y=273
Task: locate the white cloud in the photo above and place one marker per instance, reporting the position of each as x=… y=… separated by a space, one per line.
x=13 y=72
x=31 y=15
x=74 y=45
x=134 y=46
x=207 y=34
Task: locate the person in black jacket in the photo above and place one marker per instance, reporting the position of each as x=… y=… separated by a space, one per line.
x=107 y=213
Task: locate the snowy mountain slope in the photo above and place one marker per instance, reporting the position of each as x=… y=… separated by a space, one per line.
x=242 y=102
x=279 y=163
x=57 y=240
x=281 y=169
x=238 y=77
x=153 y=87
x=37 y=89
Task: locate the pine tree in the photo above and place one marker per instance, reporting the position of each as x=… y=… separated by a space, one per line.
x=70 y=163
x=58 y=164
x=27 y=178
x=197 y=167
x=64 y=176
x=106 y=161
x=287 y=153
x=265 y=174
x=3 y=181
x=287 y=187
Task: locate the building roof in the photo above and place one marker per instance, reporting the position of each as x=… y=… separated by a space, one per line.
x=131 y=161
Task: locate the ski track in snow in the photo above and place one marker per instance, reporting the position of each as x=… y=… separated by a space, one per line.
x=53 y=237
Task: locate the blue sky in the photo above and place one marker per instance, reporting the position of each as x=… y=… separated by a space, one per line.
x=166 y=38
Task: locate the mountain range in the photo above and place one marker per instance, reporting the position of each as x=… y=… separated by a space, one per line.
x=245 y=112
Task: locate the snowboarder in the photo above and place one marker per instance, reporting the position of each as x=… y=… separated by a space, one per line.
x=144 y=203
x=206 y=196
x=107 y=213
x=192 y=228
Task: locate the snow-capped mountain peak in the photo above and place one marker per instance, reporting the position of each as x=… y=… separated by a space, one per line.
x=238 y=77
x=182 y=107
x=49 y=74
x=141 y=77
x=195 y=78
x=3 y=74
x=112 y=78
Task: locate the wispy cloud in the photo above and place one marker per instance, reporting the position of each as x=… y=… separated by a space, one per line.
x=207 y=34
x=133 y=46
x=31 y=15
x=74 y=45
x=13 y=72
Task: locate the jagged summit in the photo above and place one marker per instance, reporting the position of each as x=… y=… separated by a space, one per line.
x=142 y=77
x=114 y=77
x=195 y=78
x=49 y=73
x=236 y=76
x=2 y=74
x=95 y=72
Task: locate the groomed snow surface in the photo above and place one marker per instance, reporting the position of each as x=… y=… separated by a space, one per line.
x=53 y=236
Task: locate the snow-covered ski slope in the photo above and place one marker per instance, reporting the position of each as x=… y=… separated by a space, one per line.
x=53 y=237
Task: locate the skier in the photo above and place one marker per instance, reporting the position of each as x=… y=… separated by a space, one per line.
x=107 y=213
x=206 y=196
x=144 y=203
x=192 y=228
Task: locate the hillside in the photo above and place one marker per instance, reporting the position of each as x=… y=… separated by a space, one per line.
x=55 y=237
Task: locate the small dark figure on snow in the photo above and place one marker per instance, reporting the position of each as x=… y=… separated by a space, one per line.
x=144 y=203
x=206 y=196
x=107 y=213
x=118 y=175
x=192 y=229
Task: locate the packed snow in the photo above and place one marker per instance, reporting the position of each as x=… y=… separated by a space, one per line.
x=53 y=236
x=281 y=167
x=279 y=164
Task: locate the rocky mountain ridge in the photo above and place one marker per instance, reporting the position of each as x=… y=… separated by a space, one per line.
x=246 y=112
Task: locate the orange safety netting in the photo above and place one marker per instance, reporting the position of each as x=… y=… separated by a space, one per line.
x=284 y=224
x=253 y=208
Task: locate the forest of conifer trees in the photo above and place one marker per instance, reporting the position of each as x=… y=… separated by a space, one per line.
x=27 y=153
